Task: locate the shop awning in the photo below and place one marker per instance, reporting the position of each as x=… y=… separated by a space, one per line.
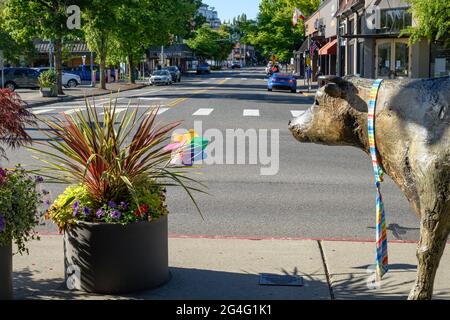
x=329 y=48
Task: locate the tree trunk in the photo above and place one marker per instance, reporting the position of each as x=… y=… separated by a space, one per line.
x=130 y=69
x=58 y=64
x=102 y=71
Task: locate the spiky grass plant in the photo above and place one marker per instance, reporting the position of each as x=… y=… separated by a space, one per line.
x=111 y=158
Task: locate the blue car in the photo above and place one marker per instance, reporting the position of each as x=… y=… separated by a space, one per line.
x=86 y=75
x=282 y=81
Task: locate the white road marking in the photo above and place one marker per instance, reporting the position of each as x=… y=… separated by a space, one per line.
x=152 y=98
x=161 y=110
x=297 y=113
x=118 y=110
x=41 y=111
x=251 y=113
x=203 y=112
x=69 y=112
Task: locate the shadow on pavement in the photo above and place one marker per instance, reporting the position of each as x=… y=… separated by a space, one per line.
x=186 y=284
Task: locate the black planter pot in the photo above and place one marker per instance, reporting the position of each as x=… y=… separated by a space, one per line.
x=113 y=259
x=6 y=290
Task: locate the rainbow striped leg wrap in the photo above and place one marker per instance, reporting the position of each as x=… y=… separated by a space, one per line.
x=381 y=234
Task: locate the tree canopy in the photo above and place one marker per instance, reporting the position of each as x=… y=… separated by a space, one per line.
x=273 y=32
x=208 y=43
x=432 y=21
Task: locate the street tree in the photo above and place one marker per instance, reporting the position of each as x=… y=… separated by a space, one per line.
x=274 y=33
x=99 y=25
x=142 y=24
x=211 y=44
x=432 y=21
x=25 y=20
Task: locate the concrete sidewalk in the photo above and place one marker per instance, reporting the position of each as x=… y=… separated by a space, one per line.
x=34 y=99
x=229 y=269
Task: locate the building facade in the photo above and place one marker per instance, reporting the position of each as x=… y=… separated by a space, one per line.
x=370 y=43
x=321 y=34
x=211 y=15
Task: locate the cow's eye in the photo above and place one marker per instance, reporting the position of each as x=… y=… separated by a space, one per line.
x=316 y=102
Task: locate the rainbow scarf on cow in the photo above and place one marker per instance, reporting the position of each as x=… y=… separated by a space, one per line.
x=381 y=233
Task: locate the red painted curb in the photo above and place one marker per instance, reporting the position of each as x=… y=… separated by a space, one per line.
x=259 y=238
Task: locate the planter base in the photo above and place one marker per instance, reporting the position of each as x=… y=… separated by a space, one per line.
x=116 y=259
x=6 y=289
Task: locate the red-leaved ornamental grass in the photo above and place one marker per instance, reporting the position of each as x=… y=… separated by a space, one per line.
x=14 y=117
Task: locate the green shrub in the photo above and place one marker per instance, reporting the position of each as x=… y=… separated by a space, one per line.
x=47 y=79
x=20 y=201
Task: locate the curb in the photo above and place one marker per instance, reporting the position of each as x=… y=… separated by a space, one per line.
x=71 y=98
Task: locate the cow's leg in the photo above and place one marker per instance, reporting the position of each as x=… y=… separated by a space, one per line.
x=434 y=232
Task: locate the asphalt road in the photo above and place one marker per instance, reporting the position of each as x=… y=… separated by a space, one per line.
x=318 y=192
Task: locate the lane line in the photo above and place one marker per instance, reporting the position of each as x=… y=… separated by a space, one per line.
x=160 y=111
x=203 y=112
x=251 y=113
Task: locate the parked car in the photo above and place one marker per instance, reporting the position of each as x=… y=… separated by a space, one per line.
x=203 y=68
x=175 y=73
x=282 y=81
x=69 y=80
x=15 y=78
x=236 y=65
x=161 y=77
x=86 y=74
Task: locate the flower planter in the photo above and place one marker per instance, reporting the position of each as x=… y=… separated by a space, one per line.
x=49 y=92
x=113 y=258
x=6 y=291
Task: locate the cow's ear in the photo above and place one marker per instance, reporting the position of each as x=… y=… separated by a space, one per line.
x=333 y=90
x=332 y=79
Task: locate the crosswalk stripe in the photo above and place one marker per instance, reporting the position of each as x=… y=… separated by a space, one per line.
x=297 y=113
x=41 y=111
x=152 y=98
x=69 y=112
x=251 y=113
x=118 y=110
x=161 y=110
x=203 y=112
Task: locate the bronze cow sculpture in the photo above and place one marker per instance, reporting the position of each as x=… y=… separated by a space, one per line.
x=413 y=141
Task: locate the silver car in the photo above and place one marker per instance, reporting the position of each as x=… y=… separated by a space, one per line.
x=161 y=77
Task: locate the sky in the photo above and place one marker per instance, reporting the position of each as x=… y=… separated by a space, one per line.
x=228 y=9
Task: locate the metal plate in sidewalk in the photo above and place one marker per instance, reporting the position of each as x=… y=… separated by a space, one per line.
x=267 y=279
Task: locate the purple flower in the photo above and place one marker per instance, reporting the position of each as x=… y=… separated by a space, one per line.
x=48 y=202
x=123 y=205
x=112 y=204
x=115 y=214
x=2 y=175
x=39 y=179
x=100 y=213
x=45 y=192
x=2 y=223
x=76 y=207
x=86 y=211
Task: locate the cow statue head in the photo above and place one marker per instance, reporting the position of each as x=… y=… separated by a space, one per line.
x=337 y=115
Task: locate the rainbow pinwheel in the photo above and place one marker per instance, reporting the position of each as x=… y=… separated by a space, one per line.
x=187 y=148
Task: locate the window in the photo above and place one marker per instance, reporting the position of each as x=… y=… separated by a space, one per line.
x=351 y=59
x=440 y=60
x=19 y=72
x=394 y=20
x=351 y=26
